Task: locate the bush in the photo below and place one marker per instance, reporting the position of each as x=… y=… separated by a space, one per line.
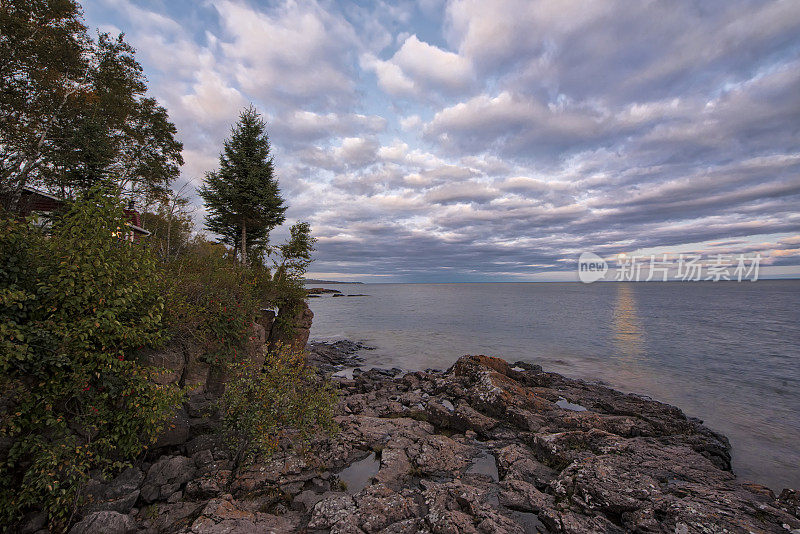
x=76 y=302
x=280 y=401
x=211 y=300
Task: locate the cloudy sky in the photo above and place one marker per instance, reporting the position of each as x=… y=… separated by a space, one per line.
x=472 y=140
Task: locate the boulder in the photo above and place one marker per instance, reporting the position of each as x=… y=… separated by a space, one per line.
x=170 y=359
x=175 y=432
x=118 y=495
x=166 y=477
x=105 y=522
x=297 y=338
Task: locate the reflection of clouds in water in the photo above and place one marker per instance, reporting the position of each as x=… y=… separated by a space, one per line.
x=628 y=333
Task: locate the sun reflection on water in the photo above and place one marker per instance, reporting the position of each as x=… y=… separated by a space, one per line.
x=628 y=334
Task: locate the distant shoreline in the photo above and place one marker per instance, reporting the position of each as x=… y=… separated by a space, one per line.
x=316 y=281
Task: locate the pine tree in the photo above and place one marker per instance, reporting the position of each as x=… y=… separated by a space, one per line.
x=242 y=198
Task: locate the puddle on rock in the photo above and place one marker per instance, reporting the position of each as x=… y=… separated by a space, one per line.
x=358 y=474
x=567 y=405
x=485 y=464
x=345 y=373
x=528 y=521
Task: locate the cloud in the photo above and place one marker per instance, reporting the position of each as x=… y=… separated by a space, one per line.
x=431 y=66
x=490 y=139
x=299 y=126
x=418 y=67
x=391 y=77
x=297 y=52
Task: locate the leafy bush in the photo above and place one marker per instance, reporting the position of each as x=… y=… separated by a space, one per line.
x=75 y=302
x=211 y=300
x=281 y=400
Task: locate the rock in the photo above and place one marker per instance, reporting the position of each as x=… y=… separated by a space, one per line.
x=523 y=496
x=33 y=523
x=300 y=319
x=176 y=431
x=169 y=359
x=322 y=290
x=332 y=510
x=625 y=464
x=167 y=476
x=334 y=355
x=168 y=517
x=790 y=501
x=105 y=522
x=202 y=442
x=221 y=516
x=118 y=495
x=202 y=458
x=195 y=372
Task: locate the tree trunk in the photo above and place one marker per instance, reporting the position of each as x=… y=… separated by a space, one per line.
x=30 y=161
x=244 y=243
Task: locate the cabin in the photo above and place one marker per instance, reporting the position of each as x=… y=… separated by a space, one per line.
x=34 y=201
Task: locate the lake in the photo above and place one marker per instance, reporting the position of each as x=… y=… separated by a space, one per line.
x=725 y=352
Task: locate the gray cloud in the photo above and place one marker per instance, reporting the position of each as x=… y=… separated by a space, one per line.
x=483 y=139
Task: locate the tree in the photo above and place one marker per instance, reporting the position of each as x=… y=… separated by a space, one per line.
x=170 y=223
x=243 y=199
x=74 y=112
x=295 y=254
x=42 y=66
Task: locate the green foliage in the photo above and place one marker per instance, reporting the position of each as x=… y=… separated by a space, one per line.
x=211 y=300
x=74 y=111
x=42 y=45
x=242 y=198
x=296 y=253
x=75 y=306
x=280 y=402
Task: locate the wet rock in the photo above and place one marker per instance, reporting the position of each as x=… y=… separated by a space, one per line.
x=329 y=356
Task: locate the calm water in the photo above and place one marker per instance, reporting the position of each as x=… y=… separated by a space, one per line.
x=724 y=352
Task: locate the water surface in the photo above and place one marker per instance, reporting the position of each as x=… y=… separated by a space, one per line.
x=724 y=352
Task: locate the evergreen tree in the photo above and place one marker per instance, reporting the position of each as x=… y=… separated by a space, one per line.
x=242 y=197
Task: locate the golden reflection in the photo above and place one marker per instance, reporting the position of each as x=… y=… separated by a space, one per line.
x=628 y=332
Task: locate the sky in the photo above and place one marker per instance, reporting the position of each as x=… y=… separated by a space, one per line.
x=484 y=140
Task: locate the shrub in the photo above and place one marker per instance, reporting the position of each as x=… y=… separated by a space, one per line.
x=211 y=300
x=75 y=302
x=280 y=401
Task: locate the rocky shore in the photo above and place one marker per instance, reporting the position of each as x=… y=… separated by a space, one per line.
x=484 y=446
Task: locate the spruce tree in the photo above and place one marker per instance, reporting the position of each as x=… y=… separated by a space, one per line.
x=242 y=198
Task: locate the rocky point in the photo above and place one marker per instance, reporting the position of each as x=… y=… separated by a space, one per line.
x=482 y=447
